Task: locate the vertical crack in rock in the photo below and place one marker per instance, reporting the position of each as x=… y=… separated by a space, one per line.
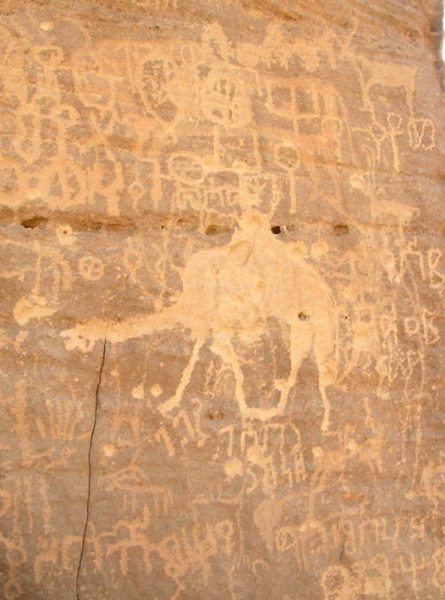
x=90 y=448
x=125 y=290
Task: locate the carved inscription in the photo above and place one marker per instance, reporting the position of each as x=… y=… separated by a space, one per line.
x=221 y=332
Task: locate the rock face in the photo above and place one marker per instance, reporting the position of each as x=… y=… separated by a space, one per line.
x=221 y=230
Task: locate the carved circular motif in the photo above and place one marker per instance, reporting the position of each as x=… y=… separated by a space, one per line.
x=91 y=268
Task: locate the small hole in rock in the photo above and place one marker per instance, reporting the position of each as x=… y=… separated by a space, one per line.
x=303 y=316
x=95 y=226
x=212 y=230
x=340 y=229
x=215 y=414
x=276 y=229
x=34 y=222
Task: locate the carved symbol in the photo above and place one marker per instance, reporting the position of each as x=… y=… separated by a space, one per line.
x=91 y=268
x=157 y=92
x=224 y=100
x=421 y=134
x=186 y=168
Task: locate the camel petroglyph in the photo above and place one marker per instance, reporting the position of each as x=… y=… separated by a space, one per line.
x=234 y=290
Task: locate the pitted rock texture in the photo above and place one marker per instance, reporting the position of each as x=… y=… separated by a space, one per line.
x=222 y=282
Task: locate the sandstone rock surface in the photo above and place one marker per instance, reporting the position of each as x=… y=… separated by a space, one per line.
x=222 y=281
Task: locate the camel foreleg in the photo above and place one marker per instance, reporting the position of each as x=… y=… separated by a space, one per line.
x=186 y=376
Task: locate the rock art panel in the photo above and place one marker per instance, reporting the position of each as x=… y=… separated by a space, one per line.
x=256 y=279
x=222 y=276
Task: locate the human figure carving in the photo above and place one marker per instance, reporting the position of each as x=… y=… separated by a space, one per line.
x=235 y=290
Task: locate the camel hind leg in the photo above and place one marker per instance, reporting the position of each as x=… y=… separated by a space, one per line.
x=324 y=351
x=301 y=337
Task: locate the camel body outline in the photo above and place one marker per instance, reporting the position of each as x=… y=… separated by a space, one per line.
x=236 y=288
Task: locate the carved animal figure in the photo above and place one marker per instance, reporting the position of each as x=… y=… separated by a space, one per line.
x=235 y=290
